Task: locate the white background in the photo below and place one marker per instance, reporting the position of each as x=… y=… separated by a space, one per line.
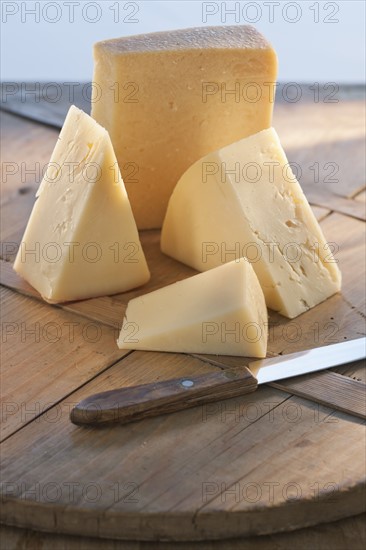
x=315 y=41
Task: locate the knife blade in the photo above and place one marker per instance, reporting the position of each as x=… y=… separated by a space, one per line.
x=133 y=403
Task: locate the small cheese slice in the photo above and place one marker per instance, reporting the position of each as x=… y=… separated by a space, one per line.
x=222 y=311
x=244 y=200
x=169 y=98
x=81 y=239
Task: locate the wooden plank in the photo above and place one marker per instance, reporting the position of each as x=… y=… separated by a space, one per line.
x=336 y=203
x=11 y=280
x=347 y=235
x=14 y=215
x=43 y=108
x=23 y=145
x=339 y=535
x=327 y=140
x=46 y=353
x=356 y=370
x=329 y=388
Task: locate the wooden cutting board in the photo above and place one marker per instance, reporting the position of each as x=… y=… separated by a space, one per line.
x=262 y=463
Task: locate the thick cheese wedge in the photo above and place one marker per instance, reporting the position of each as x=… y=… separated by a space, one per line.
x=81 y=239
x=222 y=311
x=169 y=98
x=244 y=200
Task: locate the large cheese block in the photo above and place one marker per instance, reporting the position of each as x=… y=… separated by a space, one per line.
x=81 y=240
x=244 y=200
x=169 y=98
x=221 y=312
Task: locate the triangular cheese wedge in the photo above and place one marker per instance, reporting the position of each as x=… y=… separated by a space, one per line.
x=244 y=200
x=81 y=240
x=221 y=312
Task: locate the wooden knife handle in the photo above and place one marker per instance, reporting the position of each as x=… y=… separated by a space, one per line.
x=137 y=402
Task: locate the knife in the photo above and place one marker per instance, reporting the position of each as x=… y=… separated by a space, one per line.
x=137 y=402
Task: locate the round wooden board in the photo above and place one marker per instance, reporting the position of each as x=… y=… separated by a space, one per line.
x=263 y=463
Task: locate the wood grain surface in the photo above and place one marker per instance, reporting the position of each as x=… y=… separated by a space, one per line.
x=67 y=350
x=251 y=466
x=329 y=388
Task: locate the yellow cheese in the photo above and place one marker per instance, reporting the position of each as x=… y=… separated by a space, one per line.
x=221 y=311
x=244 y=200
x=169 y=98
x=81 y=239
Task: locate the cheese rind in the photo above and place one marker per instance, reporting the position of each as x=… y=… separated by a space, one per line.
x=169 y=98
x=244 y=200
x=221 y=311
x=81 y=239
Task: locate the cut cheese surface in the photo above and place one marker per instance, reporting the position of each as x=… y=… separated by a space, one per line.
x=244 y=200
x=81 y=240
x=221 y=311
x=169 y=98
